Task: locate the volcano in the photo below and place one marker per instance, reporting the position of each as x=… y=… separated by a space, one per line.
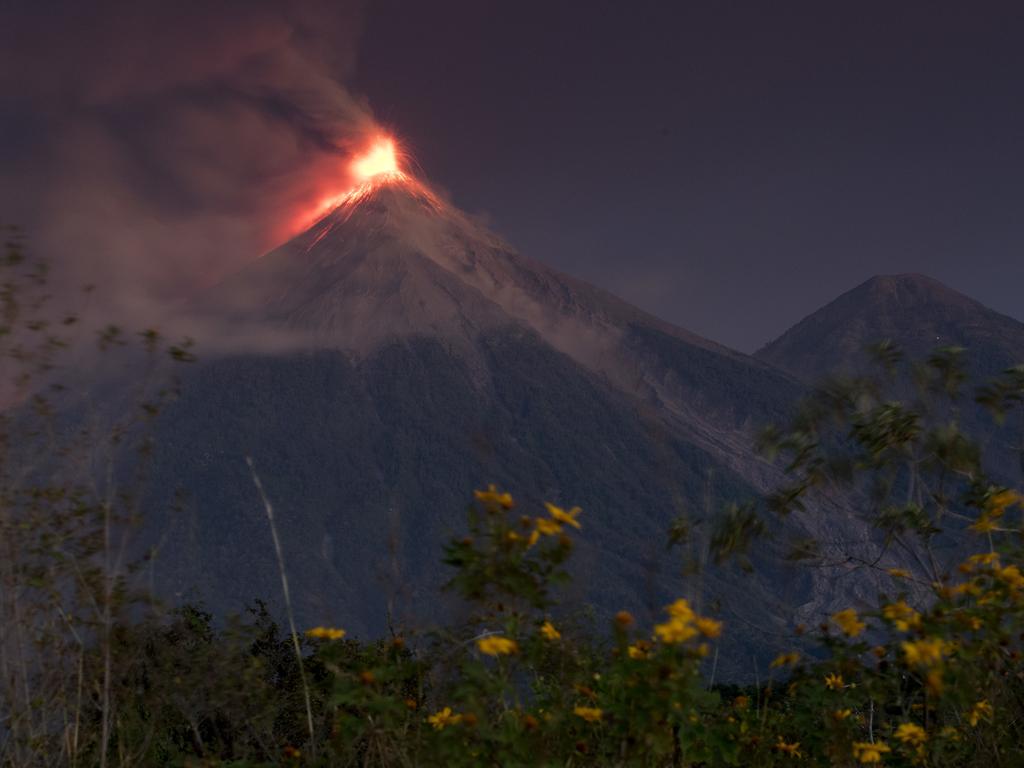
x=916 y=312
x=396 y=355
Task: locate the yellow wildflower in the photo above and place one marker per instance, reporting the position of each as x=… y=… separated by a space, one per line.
x=1004 y=499
x=967 y=588
x=911 y=733
x=793 y=750
x=708 y=627
x=675 y=631
x=681 y=609
x=834 y=682
x=927 y=652
x=984 y=558
x=444 y=718
x=899 y=573
x=980 y=711
x=848 y=622
x=563 y=516
x=790 y=659
x=680 y=627
x=950 y=732
x=995 y=509
x=495 y=645
x=637 y=652
x=1011 y=576
x=841 y=714
x=590 y=714
x=548 y=527
x=548 y=630
x=869 y=753
x=325 y=633
x=986 y=523
x=494 y=498
x=534 y=535
x=903 y=617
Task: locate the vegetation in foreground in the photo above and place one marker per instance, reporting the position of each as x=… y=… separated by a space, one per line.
x=91 y=673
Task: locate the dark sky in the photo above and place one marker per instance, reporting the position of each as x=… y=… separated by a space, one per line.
x=728 y=166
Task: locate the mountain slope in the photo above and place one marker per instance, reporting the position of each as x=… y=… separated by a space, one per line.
x=386 y=362
x=916 y=312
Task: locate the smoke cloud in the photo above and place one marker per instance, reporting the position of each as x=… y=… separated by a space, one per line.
x=152 y=147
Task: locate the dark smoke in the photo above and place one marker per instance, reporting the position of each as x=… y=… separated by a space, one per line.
x=151 y=147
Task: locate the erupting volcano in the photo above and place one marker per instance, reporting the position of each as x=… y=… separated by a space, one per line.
x=378 y=166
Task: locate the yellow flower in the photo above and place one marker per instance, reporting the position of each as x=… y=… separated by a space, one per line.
x=984 y=558
x=848 y=622
x=927 y=652
x=950 y=732
x=681 y=609
x=980 y=711
x=1004 y=499
x=675 y=631
x=842 y=714
x=986 y=523
x=680 y=627
x=967 y=588
x=590 y=714
x=548 y=527
x=903 y=617
x=494 y=645
x=708 y=627
x=899 y=573
x=637 y=651
x=548 y=630
x=1011 y=576
x=494 y=498
x=444 y=718
x=562 y=516
x=534 y=535
x=868 y=753
x=325 y=633
x=911 y=733
x=793 y=750
x=790 y=659
x=834 y=682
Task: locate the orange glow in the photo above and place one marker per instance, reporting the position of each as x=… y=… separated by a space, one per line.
x=378 y=166
x=378 y=161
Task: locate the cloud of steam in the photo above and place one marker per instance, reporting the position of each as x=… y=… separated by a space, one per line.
x=150 y=147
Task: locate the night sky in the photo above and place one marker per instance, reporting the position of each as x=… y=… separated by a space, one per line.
x=728 y=166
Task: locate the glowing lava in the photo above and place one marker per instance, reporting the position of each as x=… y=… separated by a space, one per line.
x=378 y=167
x=379 y=161
x=367 y=172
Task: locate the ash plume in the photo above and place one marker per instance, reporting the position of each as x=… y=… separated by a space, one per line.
x=152 y=147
